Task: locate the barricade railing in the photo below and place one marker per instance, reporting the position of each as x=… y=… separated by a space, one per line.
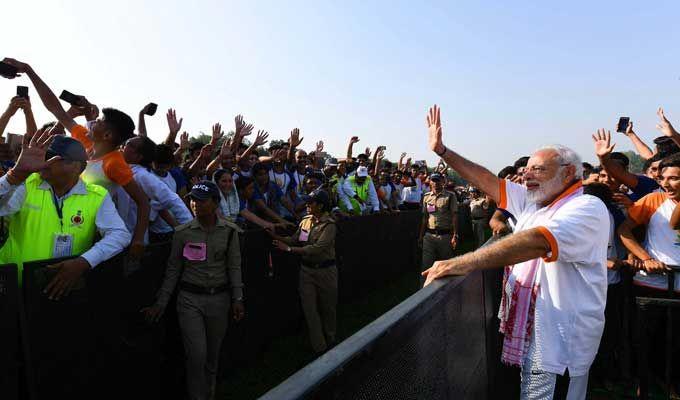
x=440 y=343
x=643 y=306
x=95 y=342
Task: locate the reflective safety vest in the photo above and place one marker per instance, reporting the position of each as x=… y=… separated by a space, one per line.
x=360 y=190
x=32 y=230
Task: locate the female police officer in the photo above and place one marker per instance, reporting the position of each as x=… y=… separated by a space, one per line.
x=314 y=241
x=206 y=259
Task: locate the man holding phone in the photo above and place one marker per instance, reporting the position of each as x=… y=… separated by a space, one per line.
x=18 y=103
x=106 y=165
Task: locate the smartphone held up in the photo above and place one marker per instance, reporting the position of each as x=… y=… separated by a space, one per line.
x=72 y=99
x=22 y=91
x=622 y=126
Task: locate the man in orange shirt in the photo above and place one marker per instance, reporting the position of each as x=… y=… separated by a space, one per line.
x=106 y=166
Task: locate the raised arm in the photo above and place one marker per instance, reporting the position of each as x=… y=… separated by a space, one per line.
x=260 y=140
x=318 y=155
x=377 y=159
x=352 y=140
x=643 y=150
x=174 y=127
x=141 y=122
x=28 y=116
x=603 y=150
x=471 y=172
x=202 y=161
x=666 y=128
x=241 y=130
x=14 y=105
x=50 y=101
x=293 y=142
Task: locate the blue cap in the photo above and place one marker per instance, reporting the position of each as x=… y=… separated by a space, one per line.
x=204 y=190
x=68 y=148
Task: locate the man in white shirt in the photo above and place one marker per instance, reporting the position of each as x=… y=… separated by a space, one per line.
x=552 y=312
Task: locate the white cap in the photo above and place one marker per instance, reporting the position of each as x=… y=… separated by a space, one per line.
x=362 y=172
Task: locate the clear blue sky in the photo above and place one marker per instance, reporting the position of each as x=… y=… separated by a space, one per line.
x=509 y=76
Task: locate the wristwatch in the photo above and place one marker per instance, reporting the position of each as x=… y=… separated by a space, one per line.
x=289 y=249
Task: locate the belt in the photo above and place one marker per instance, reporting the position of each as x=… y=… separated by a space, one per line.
x=191 y=288
x=439 y=231
x=321 y=265
x=479 y=219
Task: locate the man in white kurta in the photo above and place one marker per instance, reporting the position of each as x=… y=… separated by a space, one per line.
x=552 y=312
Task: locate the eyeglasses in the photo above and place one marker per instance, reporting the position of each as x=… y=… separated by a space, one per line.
x=540 y=170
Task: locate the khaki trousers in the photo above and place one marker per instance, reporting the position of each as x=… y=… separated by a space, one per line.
x=435 y=248
x=203 y=320
x=319 y=295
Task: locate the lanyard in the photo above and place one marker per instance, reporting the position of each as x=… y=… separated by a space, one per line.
x=60 y=209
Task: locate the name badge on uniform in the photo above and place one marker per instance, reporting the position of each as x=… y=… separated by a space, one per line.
x=63 y=245
x=304 y=235
x=431 y=208
x=195 y=251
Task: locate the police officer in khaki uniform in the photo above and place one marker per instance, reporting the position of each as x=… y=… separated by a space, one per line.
x=314 y=241
x=438 y=231
x=206 y=260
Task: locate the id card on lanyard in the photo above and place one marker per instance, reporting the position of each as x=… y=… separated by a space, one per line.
x=62 y=242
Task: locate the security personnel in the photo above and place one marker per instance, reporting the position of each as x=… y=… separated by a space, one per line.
x=361 y=193
x=54 y=214
x=314 y=241
x=206 y=260
x=439 y=230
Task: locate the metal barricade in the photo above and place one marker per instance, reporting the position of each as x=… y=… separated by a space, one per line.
x=643 y=304
x=9 y=333
x=437 y=344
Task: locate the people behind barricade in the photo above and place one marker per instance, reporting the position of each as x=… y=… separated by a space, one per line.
x=572 y=227
x=53 y=213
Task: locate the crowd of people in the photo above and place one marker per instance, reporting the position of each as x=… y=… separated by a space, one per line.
x=91 y=184
x=85 y=192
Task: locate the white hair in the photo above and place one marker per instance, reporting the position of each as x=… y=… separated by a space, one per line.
x=566 y=156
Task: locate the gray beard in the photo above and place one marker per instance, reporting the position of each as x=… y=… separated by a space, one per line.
x=545 y=190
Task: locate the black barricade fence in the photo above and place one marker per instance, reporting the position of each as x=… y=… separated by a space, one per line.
x=95 y=343
x=73 y=344
x=9 y=333
x=441 y=343
x=431 y=346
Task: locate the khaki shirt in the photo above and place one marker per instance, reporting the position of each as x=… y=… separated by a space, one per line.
x=221 y=265
x=440 y=209
x=320 y=244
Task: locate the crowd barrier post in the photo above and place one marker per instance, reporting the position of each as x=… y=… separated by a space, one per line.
x=9 y=332
x=643 y=304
